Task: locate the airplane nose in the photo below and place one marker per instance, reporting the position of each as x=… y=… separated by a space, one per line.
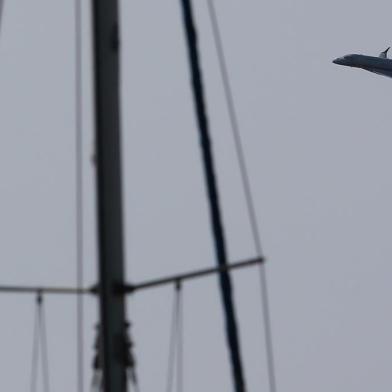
x=340 y=61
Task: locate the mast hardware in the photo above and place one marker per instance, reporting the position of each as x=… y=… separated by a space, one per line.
x=131 y=288
x=176 y=279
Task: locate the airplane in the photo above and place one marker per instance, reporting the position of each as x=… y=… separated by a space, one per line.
x=380 y=65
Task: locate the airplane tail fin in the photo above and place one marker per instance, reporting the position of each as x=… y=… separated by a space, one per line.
x=383 y=54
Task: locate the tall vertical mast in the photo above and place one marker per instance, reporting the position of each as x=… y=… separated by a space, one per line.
x=110 y=230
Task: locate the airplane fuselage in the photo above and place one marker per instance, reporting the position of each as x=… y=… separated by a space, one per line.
x=378 y=65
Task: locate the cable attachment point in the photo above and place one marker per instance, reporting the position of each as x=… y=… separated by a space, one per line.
x=178 y=285
x=39 y=297
x=40 y=347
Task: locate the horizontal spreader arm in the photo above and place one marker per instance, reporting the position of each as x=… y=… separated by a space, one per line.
x=131 y=288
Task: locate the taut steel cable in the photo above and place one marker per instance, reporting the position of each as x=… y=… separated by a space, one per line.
x=79 y=194
x=1 y=13
x=40 y=345
x=175 y=360
x=246 y=187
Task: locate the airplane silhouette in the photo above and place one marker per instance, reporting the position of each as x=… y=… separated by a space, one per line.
x=380 y=65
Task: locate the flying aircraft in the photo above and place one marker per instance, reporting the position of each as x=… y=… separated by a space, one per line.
x=380 y=65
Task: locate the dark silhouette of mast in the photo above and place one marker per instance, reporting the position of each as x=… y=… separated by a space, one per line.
x=212 y=190
x=114 y=358
x=110 y=226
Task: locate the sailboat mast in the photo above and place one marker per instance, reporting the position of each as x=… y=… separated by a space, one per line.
x=109 y=193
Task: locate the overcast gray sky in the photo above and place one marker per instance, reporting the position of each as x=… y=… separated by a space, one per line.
x=317 y=139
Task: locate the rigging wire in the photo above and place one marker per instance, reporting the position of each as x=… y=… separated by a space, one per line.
x=79 y=194
x=35 y=354
x=180 y=345
x=1 y=13
x=40 y=336
x=246 y=187
x=176 y=356
x=232 y=335
x=44 y=343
